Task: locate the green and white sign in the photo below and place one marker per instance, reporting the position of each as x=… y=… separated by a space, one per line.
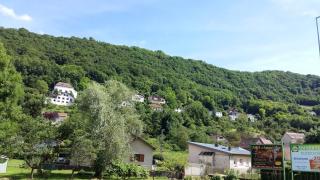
x=305 y=157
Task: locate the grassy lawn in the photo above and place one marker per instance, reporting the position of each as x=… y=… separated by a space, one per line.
x=14 y=171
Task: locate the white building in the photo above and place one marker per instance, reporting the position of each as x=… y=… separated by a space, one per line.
x=178 y=110
x=63 y=94
x=233 y=115
x=213 y=158
x=219 y=114
x=251 y=117
x=3 y=164
x=137 y=98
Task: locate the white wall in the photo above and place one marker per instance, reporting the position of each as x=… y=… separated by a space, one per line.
x=3 y=166
x=64 y=98
x=241 y=167
x=222 y=161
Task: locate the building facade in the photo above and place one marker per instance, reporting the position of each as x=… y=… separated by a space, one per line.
x=291 y=138
x=142 y=153
x=207 y=159
x=63 y=94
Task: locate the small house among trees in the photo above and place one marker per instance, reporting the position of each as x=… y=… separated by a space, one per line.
x=63 y=94
x=55 y=117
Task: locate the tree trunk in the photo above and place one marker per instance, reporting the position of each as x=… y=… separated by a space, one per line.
x=98 y=174
x=72 y=173
x=32 y=169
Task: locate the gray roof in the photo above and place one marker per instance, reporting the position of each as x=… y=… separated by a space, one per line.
x=224 y=149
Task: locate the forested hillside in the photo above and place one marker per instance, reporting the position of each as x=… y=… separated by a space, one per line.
x=275 y=97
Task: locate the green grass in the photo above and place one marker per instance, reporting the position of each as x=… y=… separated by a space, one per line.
x=15 y=171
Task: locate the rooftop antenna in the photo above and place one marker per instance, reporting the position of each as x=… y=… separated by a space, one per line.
x=317 y=24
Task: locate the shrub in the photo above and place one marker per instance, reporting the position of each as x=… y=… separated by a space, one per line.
x=231 y=175
x=125 y=170
x=215 y=177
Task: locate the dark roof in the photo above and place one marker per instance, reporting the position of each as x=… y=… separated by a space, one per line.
x=223 y=149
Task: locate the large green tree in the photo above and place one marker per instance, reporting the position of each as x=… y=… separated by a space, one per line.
x=102 y=120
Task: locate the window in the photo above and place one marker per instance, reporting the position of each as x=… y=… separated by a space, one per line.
x=62 y=101
x=67 y=98
x=63 y=98
x=241 y=162
x=58 y=97
x=206 y=153
x=139 y=157
x=54 y=99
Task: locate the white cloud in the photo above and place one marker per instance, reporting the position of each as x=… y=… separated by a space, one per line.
x=11 y=13
x=310 y=8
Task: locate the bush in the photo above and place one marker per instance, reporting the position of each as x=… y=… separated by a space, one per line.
x=215 y=177
x=125 y=170
x=231 y=175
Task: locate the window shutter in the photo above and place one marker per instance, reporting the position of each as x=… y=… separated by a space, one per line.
x=141 y=157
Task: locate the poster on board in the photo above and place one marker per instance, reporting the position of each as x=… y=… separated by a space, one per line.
x=305 y=157
x=266 y=156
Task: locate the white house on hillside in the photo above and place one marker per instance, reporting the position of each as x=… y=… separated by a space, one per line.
x=218 y=114
x=251 y=117
x=63 y=94
x=214 y=158
x=137 y=98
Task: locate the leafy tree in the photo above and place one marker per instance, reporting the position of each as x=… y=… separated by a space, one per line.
x=313 y=136
x=107 y=125
x=11 y=87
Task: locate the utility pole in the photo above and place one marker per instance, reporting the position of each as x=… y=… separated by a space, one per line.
x=161 y=141
x=317 y=24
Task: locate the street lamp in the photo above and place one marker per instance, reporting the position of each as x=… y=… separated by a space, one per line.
x=318 y=33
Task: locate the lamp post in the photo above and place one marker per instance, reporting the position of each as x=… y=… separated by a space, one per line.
x=317 y=18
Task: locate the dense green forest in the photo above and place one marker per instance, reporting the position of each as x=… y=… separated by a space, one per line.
x=280 y=100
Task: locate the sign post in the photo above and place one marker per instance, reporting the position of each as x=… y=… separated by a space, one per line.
x=268 y=157
x=305 y=157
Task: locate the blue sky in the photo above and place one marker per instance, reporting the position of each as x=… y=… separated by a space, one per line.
x=241 y=35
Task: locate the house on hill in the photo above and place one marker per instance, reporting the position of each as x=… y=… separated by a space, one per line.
x=219 y=139
x=251 y=117
x=63 y=94
x=291 y=138
x=233 y=114
x=246 y=142
x=55 y=117
x=137 y=98
x=156 y=100
x=213 y=158
x=218 y=114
